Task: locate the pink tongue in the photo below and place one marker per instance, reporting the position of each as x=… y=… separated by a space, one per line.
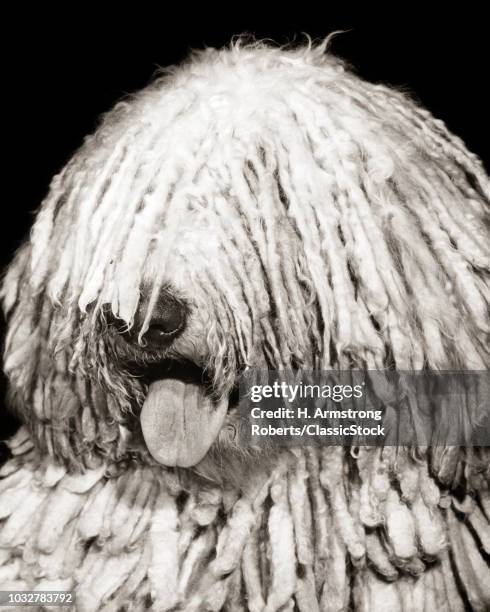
x=180 y=422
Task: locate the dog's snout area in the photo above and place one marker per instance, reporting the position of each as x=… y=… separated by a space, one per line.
x=166 y=323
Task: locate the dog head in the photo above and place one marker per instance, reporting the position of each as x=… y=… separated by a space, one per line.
x=254 y=207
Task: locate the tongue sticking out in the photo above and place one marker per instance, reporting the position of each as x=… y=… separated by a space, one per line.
x=180 y=422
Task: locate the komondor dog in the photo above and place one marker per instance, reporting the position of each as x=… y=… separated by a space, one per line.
x=256 y=207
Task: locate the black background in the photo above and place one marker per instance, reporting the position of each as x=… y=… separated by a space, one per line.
x=62 y=70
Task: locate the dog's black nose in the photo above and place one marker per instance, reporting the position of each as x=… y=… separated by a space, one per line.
x=167 y=321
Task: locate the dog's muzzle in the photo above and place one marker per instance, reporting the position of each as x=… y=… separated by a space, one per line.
x=180 y=419
x=167 y=322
